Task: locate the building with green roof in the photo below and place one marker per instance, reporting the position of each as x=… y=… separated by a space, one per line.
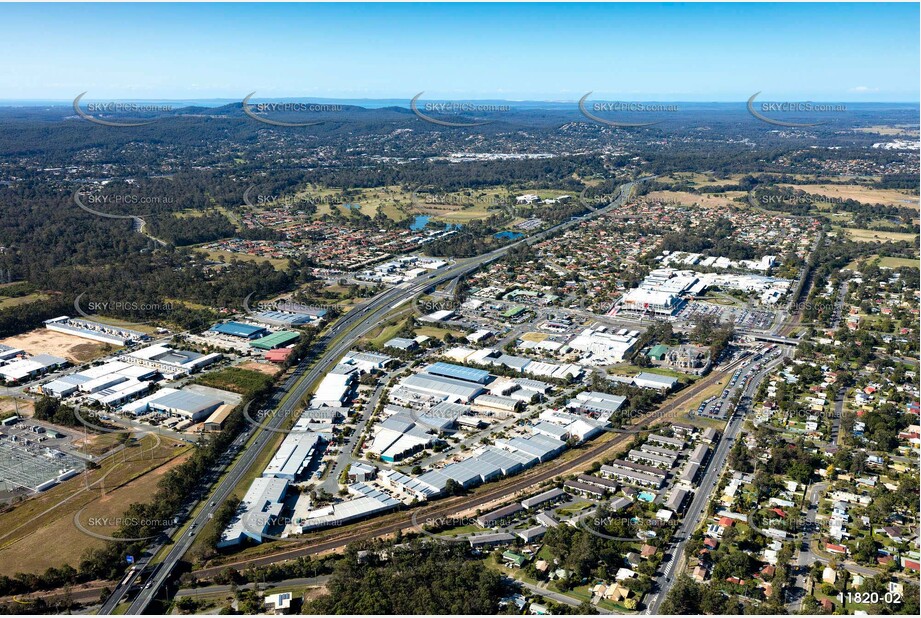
x=276 y=340
x=658 y=352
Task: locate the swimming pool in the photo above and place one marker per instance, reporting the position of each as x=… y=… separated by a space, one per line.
x=646 y=496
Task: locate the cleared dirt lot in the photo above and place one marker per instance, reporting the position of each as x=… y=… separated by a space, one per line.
x=266 y=368
x=73 y=348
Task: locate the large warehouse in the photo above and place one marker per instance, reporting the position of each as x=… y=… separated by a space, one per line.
x=25 y=369
x=294 y=456
x=170 y=362
x=238 y=329
x=183 y=403
x=458 y=372
x=97 y=331
x=258 y=510
x=334 y=390
x=447 y=388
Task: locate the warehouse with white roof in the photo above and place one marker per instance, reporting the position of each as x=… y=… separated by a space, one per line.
x=294 y=456
x=258 y=511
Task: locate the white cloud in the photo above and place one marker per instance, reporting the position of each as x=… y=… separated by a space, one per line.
x=863 y=90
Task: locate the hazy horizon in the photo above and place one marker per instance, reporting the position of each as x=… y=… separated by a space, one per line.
x=545 y=52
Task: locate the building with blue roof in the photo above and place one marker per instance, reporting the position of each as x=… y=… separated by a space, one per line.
x=458 y=372
x=238 y=329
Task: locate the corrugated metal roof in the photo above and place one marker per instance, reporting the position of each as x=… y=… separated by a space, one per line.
x=458 y=371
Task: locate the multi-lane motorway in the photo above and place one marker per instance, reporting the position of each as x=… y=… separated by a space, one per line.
x=337 y=341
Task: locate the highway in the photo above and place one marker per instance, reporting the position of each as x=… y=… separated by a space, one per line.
x=675 y=555
x=336 y=343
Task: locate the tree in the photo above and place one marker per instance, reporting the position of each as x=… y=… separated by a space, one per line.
x=683 y=598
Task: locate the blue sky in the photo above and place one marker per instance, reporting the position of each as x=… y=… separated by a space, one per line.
x=678 y=52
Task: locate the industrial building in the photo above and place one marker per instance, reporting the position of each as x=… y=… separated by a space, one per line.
x=402 y=343
x=507 y=457
x=414 y=487
x=276 y=340
x=450 y=389
x=572 y=426
x=184 y=403
x=655 y=381
x=367 y=501
x=216 y=421
x=599 y=405
x=97 y=331
x=26 y=369
x=458 y=372
x=290 y=314
x=295 y=455
x=542 y=447
x=112 y=384
x=334 y=389
x=258 y=511
x=239 y=329
x=398 y=437
x=367 y=361
x=8 y=353
x=496 y=404
x=171 y=363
